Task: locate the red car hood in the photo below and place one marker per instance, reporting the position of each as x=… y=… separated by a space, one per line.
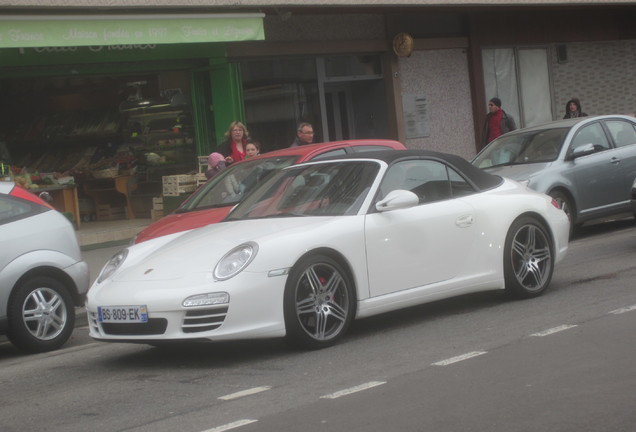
x=177 y=222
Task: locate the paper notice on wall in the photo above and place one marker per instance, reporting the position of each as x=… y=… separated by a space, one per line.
x=414 y=107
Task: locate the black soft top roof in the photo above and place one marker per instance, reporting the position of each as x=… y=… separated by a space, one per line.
x=478 y=177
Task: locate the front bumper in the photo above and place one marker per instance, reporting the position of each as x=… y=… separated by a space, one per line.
x=255 y=310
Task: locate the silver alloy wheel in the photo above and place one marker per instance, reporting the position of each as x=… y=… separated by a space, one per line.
x=322 y=301
x=531 y=257
x=44 y=313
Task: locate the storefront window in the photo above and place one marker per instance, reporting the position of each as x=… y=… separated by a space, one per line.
x=341 y=96
x=279 y=94
x=353 y=66
x=111 y=138
x=520 y=78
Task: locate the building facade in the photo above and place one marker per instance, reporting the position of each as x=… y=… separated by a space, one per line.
x=420 y=72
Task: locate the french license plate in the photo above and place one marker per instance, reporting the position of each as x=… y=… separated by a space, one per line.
x=122 y=314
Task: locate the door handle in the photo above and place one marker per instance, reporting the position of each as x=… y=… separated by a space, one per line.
x=615 y=161
x=464 y=221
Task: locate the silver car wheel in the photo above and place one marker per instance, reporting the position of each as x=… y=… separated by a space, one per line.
x=44 y=313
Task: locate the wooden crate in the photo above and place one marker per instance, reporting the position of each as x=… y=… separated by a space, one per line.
x=155 y=214
x=176 y=185
x=157 y=203
x=201 y=178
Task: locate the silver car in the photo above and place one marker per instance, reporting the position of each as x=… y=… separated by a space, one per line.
x=632 y=197
x=586 y=164
x=42 y=275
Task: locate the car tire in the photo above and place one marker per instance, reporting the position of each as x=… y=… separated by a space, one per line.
x=41 y=315
x=528 y=258
x=319 y=302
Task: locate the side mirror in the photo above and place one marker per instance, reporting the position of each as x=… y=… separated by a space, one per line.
x=397 y=199
x=583 y=150
x=46 y=197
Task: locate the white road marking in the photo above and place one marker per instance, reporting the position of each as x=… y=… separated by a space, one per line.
x=244 y=393
x=459 y=358
x=351 y=390
x=232 y=425
x=554 y=330
x=623 y=310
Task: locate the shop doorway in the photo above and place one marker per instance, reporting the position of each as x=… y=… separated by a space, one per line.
x=339 y=112
x=343 y=97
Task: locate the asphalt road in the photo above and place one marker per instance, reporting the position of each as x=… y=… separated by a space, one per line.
x=561 y=362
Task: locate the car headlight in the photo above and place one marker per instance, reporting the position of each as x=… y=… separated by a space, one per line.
x=235 y=261
x=113 y=264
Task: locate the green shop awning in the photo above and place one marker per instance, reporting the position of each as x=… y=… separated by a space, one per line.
x=27 y=31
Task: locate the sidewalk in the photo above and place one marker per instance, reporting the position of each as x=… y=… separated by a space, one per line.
x=93 y=235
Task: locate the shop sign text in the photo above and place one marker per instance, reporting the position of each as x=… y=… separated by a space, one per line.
x=90 y=48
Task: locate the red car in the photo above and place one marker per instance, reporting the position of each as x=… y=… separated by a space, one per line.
x=214 y=200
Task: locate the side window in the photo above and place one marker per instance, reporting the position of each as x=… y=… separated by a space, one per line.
x=459 y=186
x=592 y=134
x=336 y=152
x=427 y=179
x=622 y=132
x=13 y=209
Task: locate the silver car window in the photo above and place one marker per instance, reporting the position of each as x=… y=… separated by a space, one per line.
x=14 y=209
x=533 y=146
x=622 y=132
x=591 y=134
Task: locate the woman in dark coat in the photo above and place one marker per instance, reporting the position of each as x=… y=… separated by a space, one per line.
x=573 y=109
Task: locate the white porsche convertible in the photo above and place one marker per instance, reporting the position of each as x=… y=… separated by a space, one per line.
x=320 y=244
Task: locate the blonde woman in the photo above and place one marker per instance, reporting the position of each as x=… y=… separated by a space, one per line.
x=235 y=142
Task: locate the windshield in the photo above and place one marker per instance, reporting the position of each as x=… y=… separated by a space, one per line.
x=523 y=148
x=230 y=186
x=326 y=189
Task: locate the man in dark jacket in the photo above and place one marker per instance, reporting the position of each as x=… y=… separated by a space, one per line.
x=497 y=122
x=573 y=109
x=304 y=135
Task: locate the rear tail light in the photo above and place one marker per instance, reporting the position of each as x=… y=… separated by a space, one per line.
x=20 y=192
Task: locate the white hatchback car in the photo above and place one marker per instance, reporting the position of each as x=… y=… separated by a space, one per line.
x=42 y=275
